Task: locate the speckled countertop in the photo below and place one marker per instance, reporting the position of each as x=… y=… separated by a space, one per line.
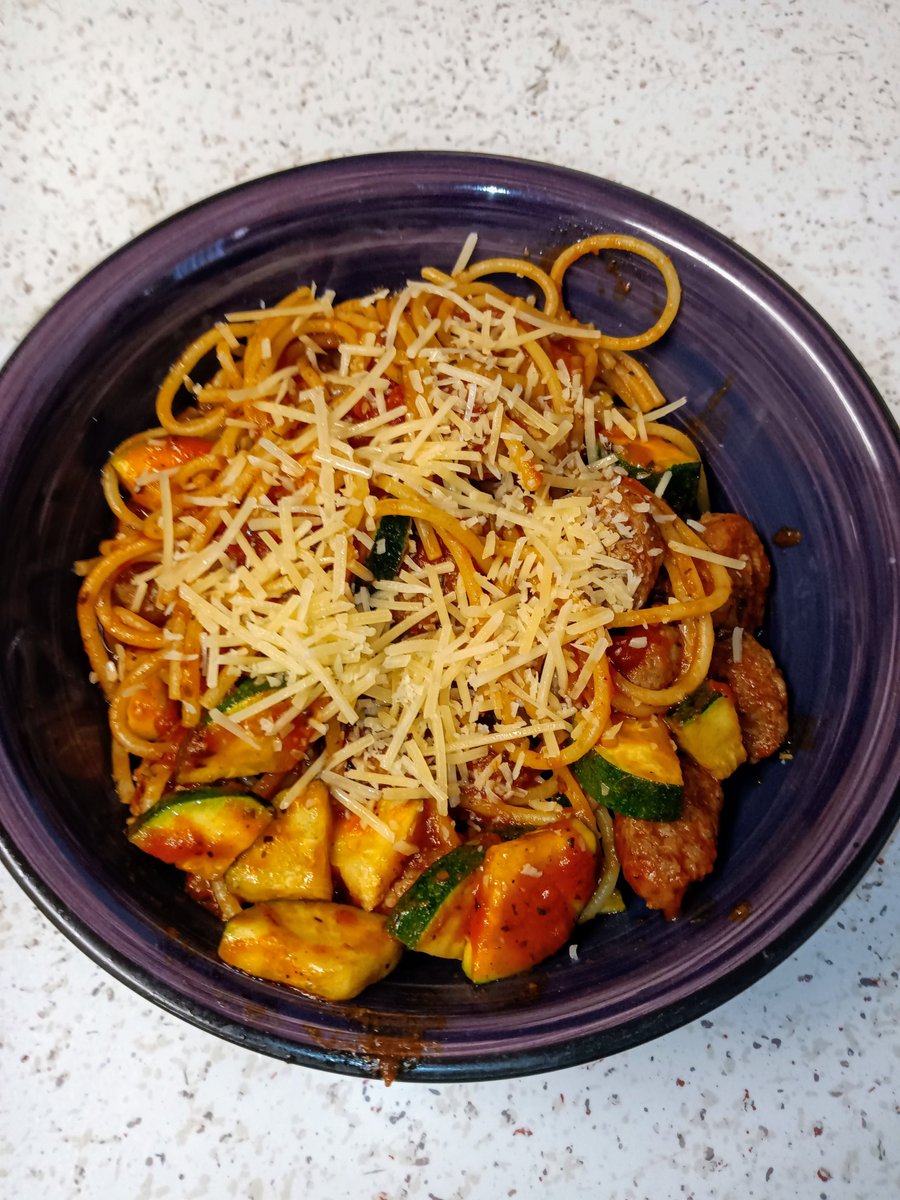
x=778 y=124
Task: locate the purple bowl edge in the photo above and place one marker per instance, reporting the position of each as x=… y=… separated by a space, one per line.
x=500 y=1065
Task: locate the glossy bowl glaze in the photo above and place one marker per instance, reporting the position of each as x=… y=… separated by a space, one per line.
x=793 y=435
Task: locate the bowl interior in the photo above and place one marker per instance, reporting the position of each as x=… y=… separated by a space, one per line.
x=792 y=437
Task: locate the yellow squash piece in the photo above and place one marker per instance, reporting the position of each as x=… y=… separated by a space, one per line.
x=529 y=896
x=367 y=862
x=291 y=860
x=707 y=726
x=332 y=951
x=149 y=458
x=150 y=712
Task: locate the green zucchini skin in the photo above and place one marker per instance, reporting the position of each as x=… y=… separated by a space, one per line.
x=706 y=726
x=694 y=705
x=509 y=833
x=392 y=536
x=420 y=903
x=625 y=793
x=248 y=689
x=201 y=831
x=681 y=490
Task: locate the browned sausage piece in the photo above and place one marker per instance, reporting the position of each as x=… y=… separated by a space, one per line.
x=760 y=694
x=125 y=590
x=639 y=536
x=661 y=858
x=733 y=535
x=649 y=657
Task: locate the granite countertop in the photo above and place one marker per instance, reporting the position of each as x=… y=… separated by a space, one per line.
x=777 y=123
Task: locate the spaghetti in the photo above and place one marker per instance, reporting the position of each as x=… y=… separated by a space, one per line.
x=377 y=547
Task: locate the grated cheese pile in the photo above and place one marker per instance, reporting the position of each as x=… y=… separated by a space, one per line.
x=491 y=639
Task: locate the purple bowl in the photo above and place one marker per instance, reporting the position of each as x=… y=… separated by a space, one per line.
x=793 y=434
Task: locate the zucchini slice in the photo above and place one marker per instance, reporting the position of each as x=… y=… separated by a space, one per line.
x=201 y=831
x=648 y=461
x=706 y=725
x=368 y=863
x=290 y=858
x=636 y=772
x=329 y=950
x=388 y=548
x=250 y=689
x=530 y=892
x=433 y=914
x=215 y=753
x=226 y=756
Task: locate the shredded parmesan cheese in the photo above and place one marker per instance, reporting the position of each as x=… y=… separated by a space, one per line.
x=485 y=642
x=737 y=644
x=723 y=560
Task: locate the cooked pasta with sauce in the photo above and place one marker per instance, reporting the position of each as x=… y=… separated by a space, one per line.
x=415 y=631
